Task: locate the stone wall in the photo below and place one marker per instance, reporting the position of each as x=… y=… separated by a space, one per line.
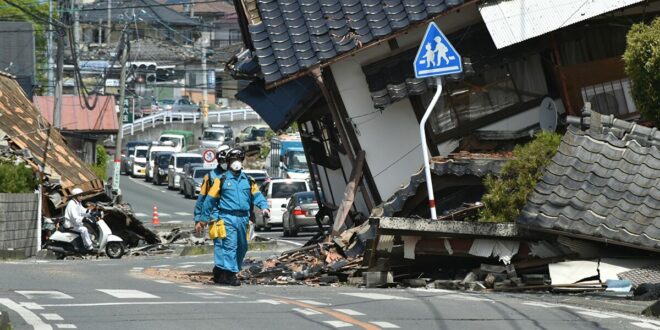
x=18 y=224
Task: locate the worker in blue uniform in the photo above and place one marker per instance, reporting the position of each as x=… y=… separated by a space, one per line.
x=208 y=181
x=229 y=201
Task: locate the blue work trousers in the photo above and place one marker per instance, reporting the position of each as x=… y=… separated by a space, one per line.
x=230 y=251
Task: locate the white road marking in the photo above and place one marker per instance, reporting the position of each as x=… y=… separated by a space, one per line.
x=173 y=221
x=163 y=214
x=137 y=269
x=198 y=262
x=312 y=302
x=539 y=304
x=185 y=214
x=374 y=296
x=190 y=287
x=596 y=314
x=44 y=294
x=384 y=325
x=230 y=294
x=66 y=326
x=147 y=303
x=349 y=311
x=338 y=324
x=128 y=294
x=30 y=318
x=161 y=266
x=163 y=282
x=141 y=214
x=645 y=325
x=186 y=266
x=51 y=317
x=307 y=311
x=31 y=306
x=271 y=301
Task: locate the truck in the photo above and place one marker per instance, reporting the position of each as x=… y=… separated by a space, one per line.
x=182 y=139
x=287 y=158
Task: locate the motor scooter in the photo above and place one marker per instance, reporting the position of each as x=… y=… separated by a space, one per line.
x=65 y=242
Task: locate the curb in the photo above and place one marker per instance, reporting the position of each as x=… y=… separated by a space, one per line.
x=5 y=324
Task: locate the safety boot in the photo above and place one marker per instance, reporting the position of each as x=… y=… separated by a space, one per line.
x=219 y=275
x=232 y=279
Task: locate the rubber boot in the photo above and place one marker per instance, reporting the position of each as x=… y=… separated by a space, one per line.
x=232 y=279
x=219 y=275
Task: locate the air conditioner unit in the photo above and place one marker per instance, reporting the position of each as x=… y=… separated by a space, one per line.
x=610 y=98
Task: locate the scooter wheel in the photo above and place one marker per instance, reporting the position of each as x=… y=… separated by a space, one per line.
x=114 y=250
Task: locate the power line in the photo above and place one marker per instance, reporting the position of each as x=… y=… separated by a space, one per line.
x=31 y=14
x=146 y=6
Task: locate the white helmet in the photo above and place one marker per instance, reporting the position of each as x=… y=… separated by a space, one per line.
x=76 y=192
x=222 y=152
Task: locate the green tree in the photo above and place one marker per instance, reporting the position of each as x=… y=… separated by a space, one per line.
x=507 y=194
x=40 y=9
x=16 y=178
x=642 y=64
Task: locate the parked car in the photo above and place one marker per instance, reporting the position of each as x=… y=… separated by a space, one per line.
x=175 y=167
x=162 y=161
x=300 y=214
x=138 y=161
x=193 y=182
x=155 y=147
x=127 y=156
x=178 y=105
x=217 y=135
x=277 y=192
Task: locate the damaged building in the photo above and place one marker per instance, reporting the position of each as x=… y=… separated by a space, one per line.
x=343 y=72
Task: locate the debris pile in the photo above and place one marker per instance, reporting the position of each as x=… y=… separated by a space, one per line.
x=332 y=261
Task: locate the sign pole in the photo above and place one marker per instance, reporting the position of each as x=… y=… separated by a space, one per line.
x=425 y=149
x=435 y=57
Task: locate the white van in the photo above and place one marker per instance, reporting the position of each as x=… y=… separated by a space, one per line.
x=177 y=161
x=138 y=161
x=277 y=193
x=155 y=146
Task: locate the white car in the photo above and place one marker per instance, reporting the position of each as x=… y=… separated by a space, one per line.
x=177 y=161
x=278 y=192
x=139 y=161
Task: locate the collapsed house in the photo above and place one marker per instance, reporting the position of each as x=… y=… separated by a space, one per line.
x=343 y=72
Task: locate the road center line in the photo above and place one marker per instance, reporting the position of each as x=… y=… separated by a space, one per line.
x=29 y=317
x=134 y=303
x=337 y=315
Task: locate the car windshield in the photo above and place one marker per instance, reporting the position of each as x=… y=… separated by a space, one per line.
x=168 y=138
x=306 y=198
x=298 y=161
x=214 y=136
x=141 y=153
x=200 y=173
x=286 y=189
x=186 y=160
x=163 y=160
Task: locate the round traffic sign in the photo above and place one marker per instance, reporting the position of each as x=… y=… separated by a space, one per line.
x=209 y=155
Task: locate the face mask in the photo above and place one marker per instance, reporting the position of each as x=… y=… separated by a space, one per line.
x=223 y=166
x=236 y=165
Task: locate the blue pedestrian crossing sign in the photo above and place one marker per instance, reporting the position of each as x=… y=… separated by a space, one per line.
x=436 y=55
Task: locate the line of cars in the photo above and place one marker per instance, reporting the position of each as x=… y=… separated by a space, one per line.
x=292 y=203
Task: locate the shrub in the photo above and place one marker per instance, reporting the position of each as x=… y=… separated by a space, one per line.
x=101 y=166
x=506 y=195
x=642 y=64
x=16 y=178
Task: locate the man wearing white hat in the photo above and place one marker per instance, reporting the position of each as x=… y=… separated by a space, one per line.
x=74 y=215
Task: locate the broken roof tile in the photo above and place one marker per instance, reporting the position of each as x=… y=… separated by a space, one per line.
x=602 y=183
x=334 y=27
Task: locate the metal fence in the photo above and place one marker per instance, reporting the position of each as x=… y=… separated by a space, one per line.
x=18 y=223
x=167 y=117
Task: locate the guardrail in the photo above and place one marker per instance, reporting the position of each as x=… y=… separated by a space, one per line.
x=166 y=117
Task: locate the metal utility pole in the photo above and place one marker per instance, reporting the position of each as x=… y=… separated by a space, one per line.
x=51 y=60
x=205 y=91
x=122 y=93
x=76 y=22
x=108 y=29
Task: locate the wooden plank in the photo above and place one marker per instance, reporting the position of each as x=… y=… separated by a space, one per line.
x=349 y=194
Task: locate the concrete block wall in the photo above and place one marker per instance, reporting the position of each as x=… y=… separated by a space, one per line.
x=18 y=223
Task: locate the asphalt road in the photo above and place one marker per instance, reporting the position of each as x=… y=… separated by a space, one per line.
x=117 y=294
x=173 y=208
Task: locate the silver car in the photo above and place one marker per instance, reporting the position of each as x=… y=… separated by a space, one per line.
x=300 y=214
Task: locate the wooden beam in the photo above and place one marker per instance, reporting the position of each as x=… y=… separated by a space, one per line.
x=349 y=194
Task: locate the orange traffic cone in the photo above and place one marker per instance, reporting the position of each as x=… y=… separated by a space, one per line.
x=154 y=218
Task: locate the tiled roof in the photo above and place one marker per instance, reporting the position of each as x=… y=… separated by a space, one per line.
x=294 y=35
x=456 y=165
x=126 y=11
x=603 y=183
x=76 y=118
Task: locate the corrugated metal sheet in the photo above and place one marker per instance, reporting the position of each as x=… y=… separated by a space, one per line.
x=513 y=21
